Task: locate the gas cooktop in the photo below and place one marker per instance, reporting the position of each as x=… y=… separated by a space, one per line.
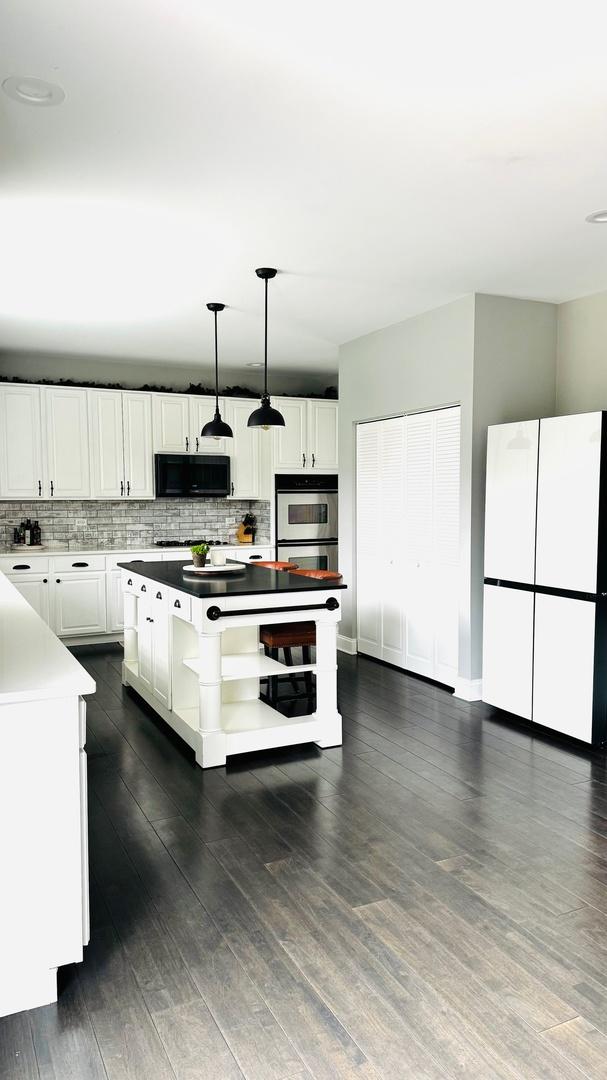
x=190 y=543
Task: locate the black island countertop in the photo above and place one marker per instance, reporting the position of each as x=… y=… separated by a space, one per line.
x=249 y=581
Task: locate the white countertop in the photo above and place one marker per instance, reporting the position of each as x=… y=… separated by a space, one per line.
x=34 y=664
x=109 y=549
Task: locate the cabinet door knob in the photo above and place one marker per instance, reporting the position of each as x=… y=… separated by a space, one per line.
x=159 y=596
x=44 y=580
x=177 y=604
x=58 y=581
x=143 y=588
x=129 y=581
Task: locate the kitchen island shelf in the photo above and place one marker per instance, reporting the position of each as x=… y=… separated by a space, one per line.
x=254 y=665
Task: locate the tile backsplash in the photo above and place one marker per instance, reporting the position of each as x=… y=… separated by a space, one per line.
x=136 y=523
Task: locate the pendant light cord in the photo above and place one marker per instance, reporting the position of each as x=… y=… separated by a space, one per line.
x=216 y=369
x=265 y=381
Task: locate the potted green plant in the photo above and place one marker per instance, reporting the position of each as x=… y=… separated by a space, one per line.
x=199 y=554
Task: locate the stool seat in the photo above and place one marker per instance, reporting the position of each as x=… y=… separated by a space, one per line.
x=275 y=565
x=320 y=575
x=288 y=635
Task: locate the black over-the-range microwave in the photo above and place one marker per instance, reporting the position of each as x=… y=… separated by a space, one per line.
x=190 y=476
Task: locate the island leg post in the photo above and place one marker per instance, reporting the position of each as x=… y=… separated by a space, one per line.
x=212 y=741
x=326 y=684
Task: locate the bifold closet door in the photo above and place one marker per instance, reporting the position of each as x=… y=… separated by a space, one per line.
x=379 y=517
x=563 y=664
x=568 y=502
x=508 y=649
x=430 y=529
x=510 y=498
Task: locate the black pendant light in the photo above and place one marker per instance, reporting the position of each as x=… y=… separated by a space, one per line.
x=216 y=428
x=265 y=416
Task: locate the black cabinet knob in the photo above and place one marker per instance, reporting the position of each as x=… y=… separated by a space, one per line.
x=58 y=581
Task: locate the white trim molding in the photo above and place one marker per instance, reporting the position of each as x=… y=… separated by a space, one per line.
x=347 y=645
x=468 y=689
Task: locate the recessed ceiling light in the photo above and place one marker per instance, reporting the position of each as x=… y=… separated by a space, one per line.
x=30 y=91
x=598 y=218
x=256 y=364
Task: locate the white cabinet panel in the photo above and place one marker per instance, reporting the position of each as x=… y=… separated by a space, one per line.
x=391 y=493
x=79 y=603
x=67 y=441
x=563 y=664
x=171 y=418
x=244 y=449
x=322 y=435
x=35 y=589
x=138 y=453
x=106 y=440
x=568 y=502
x=511 y=490
x=114 y=600
x=161 y=627
x=508 y=649
x=144 y=638
x=369 y=554
x=21 y=449
x=202 y=409
x=290 y=441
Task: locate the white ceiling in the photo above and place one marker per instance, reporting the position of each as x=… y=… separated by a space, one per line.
x=387 y=157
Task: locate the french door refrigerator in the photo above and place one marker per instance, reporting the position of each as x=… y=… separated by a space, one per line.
x=545 y=592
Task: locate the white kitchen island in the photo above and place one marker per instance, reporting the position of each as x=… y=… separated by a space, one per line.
x=191 y=650
x=44 y=914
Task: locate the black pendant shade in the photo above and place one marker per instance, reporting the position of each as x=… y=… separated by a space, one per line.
x=216 y=428
x=265 y=416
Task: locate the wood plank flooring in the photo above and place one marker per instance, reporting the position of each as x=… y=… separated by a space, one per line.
x=428 y=901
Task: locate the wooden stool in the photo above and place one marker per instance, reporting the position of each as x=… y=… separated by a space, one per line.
x=288 y=636
x=275 y=565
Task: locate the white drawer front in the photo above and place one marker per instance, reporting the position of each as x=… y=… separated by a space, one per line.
x=66 y=563
x=22 y=563
x=112 y=561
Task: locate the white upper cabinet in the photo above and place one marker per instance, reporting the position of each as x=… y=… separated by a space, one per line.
x=322 y=435
x=245 y=450
x=107 y=445
x=171 y=415
x=511 y=492
x=309 y=438
x=67 y=441
x=202 y=409
x=568 y=502
x=21 y=439
x=138 y=451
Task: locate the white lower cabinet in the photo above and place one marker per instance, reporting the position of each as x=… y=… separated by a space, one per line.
x=79 y=604
x=508 y=632
x=563 y=664
x=35 y=589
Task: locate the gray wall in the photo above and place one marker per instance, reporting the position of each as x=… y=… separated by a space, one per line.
x=34 y=366
x=422 y=363
x=514 y=379
x=581 y=384
x=493 y=355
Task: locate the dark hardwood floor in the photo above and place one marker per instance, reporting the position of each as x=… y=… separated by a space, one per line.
x=429 y=900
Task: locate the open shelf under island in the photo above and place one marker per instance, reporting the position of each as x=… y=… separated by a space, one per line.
x=192 y=652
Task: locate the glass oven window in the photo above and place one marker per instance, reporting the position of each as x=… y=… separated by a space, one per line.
x=312 y=562
x=308 y=513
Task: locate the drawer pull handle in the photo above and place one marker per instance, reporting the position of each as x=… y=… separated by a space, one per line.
x=129 y=581
x=22 y=566
x=143 y=588
x=251 y=557
x=177 y=604
x=79 y=564
x=159 y=596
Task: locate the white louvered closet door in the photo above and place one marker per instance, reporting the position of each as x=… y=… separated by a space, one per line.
x=431 y=543
x=380 y=460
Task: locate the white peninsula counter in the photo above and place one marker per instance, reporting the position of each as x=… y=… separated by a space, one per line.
x=191 y=650
x=44 y=921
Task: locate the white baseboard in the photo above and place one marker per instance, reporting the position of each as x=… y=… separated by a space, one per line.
x=469 y=689
x=346 y=644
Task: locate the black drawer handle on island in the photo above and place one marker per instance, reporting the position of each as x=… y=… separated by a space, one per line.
x=79 y=564
x=159 y=596
x=214 y=613
x=129 y=581
x=143 y=588
x=177 y=604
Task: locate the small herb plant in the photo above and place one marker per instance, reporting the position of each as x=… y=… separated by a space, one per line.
x=199 y=549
